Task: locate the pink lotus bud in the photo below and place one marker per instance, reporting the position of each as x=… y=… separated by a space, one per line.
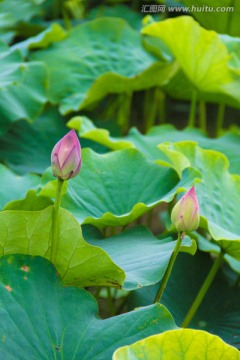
x=66 y=157
x=185 y=214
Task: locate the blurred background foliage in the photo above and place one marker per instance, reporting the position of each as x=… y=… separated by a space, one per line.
x=79 y=57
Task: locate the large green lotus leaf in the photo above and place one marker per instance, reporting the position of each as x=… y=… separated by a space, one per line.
x=27 y=147
x=108 y=191
x=142 y=256
x=218 y=193
x=93 y=60
x=22 y=88
x=78 y=263
x=219 y=312
x=178 y=344
x=223 y=16
x=228 y=144
x=205 y=57
x=13 y=186
x=42 y=319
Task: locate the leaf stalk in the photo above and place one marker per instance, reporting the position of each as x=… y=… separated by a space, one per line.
x=202 y=292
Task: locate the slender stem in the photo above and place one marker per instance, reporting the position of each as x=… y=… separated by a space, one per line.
x=202 y=115
x=162 y=106
x=121 y=306
x=193 y=109
x=124 y=111
x=154 y=102
x=237 y=281
x=110 y=302
x=169 y=268
x=202 y=292
x=56 y=8
x=55 y=222
x=97 y=293
x=149 y=218
x=220 y=119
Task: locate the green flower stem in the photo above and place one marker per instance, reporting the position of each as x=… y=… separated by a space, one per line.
x=220 y=119
x=193 y=110
x=169 y=268
x=55 y=222
x=202 y=115
x=202 y=292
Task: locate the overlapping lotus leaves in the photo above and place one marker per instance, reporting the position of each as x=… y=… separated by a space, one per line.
x=32 y=202
x=63 y=320
x=105 y=262
x=46 y=37
x=108 y=191
x=19 y=185
x=177 y=345
x=22 y=147
x=93 y=60
x=142 y=256
x=228 y=144
x=218 y=193
x=22 y=88
x=77 y=262
x=204 y=61
x=219 y=312
x=86 y=129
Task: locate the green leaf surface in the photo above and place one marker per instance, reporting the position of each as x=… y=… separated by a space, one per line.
x=22 y=88
x=224 y=16
x=142 y=256
x=228 y=144
x=180 y=87
x=77 y=262
x=218 y=193
x=204 y=61
x=14 y=186
x=54 y=33
x=89 y=69
x=108 y=191
x=27 y=148
x=27 y=10
x=177 y=345
x=219 y=312
x=50 y=321
x=133 y=18
x=86 y=129
x=32 y=202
